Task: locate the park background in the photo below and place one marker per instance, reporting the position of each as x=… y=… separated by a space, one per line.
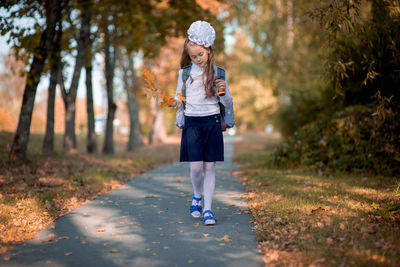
x=315 y=87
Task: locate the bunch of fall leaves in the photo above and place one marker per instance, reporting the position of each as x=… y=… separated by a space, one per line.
x=152 y=90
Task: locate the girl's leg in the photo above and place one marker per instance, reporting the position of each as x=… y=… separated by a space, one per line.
x=209 y=184
x=196 y=169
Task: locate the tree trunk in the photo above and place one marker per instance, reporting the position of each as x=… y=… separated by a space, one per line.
x=70 y=106
x=157 y=132
x=48 y=142
x=21 y=138
x=91 y=145
x=112 y=107
x=133 y=106
x=290 y=24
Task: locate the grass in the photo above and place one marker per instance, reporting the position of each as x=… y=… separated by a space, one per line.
x=310 y=218
x=35 y=193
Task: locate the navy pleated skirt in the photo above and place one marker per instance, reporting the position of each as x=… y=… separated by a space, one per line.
x=202 y=139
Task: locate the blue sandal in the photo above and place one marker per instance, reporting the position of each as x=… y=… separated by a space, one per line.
x=195 y=210
x=209 y=218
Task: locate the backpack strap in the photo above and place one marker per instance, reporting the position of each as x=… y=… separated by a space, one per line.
x=185 y=76
x=220 y=74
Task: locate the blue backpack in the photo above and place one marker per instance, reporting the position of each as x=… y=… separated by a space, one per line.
x=227 y=115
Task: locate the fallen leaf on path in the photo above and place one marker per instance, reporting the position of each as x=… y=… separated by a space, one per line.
x=83 y=242
x=226 y=238
x=115 y=250
x=101 y=229
x=63 y=237
x=49 y=239
x=68 y=253
x=190 y=261
x=222 y=244
x=165 y=247
x=7 y=258
x=149 y=196
x=206 y=235
x=182 y=195
x=10 y=232
x=196 y=224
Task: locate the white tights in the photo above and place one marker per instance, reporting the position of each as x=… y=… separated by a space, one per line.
x=196 y=169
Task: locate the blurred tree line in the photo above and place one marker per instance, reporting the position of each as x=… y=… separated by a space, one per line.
x=334 y=67
x=117 y=30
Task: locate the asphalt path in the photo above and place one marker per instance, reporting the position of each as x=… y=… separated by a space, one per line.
x=147 y=223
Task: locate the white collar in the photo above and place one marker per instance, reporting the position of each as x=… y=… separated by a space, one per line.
x=196 y=68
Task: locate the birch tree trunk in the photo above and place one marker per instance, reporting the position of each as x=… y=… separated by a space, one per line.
x=70 y=108
x=157 y=132
x=21 y=138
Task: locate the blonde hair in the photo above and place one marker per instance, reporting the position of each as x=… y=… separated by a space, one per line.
x=208 y=70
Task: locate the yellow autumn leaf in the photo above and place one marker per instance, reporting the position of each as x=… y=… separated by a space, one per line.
x=163 y=104
x=114 y=250
x=225 y=238
x=10 y=232
x=181 y=98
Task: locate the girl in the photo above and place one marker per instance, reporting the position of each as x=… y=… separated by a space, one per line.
x=202 y=140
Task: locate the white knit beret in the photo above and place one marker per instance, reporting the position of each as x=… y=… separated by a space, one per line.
x=201 y=33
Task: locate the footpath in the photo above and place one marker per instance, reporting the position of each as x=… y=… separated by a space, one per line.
x=147 y=223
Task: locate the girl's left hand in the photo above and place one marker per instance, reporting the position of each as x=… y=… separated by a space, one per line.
x=221 y=89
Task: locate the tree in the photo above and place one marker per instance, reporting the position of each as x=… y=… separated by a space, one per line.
x=131 y=87
x=91 y=145
x=110 y=54
x=53 y=14
x=69 y=96
x=55 y=62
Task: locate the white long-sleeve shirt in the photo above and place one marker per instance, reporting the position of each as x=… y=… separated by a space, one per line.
x=197 y=105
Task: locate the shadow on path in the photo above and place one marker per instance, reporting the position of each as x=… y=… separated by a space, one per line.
x=147 y=223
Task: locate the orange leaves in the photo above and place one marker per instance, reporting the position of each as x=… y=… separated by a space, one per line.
x=166 y=100
x=181 y=98
x=9 y=233
x=149 y=81
x=225 y=238
x=152 y=90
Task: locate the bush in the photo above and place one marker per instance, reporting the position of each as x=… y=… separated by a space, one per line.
x=350 y=140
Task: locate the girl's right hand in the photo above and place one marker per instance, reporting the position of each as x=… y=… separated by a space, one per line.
x=172 y=104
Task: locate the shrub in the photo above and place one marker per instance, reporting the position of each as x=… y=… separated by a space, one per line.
x=350 y=140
